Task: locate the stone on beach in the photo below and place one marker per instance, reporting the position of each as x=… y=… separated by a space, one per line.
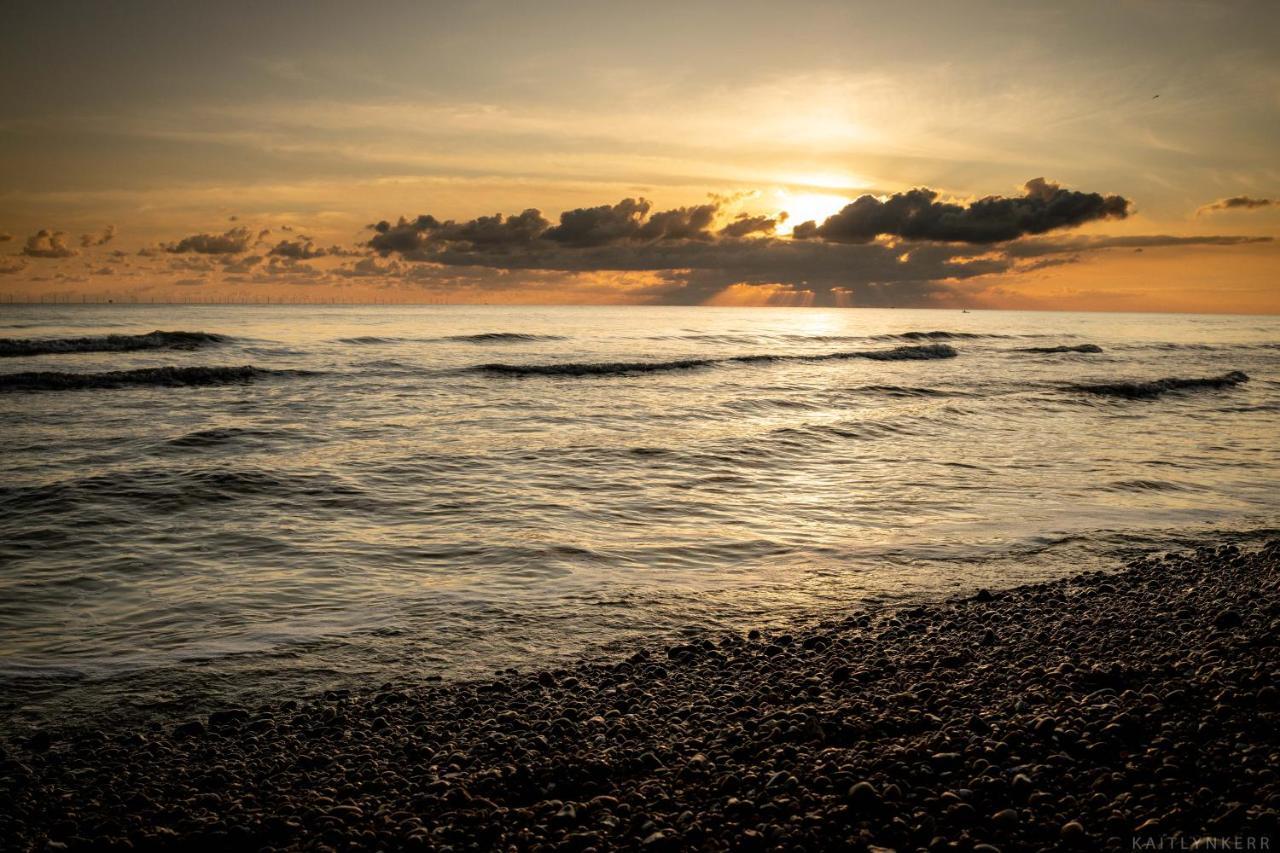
x=1113 y=708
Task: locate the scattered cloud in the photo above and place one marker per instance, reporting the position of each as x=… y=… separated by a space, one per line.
x=230 y=243
x=241 y=265
x=102 y=238
x=1239 y=202
x=745 y=225
x=192 y=264
x=300 y=249
x=304 y=249
x=1061 y=245
x=419 y=236
x=5 y=237
x=47 y=243
x=370 y=268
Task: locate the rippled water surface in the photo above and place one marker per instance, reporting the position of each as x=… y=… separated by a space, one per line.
x=308 y=497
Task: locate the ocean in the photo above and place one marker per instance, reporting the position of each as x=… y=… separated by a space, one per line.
x=211 y=505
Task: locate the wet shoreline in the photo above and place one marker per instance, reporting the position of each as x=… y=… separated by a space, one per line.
x=1088 y=712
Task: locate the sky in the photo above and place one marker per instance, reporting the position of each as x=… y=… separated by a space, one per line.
x=1115 y=155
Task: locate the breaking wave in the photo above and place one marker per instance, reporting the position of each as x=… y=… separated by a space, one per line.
x=619 y=368
x=1158 y=387
x=13 y=347
x=171 y=377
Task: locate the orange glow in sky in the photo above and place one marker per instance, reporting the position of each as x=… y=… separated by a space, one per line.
x=249 y=160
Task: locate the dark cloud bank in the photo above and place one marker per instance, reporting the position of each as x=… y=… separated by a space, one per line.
x=904 y=249
x=910 y=248
x=913 y=215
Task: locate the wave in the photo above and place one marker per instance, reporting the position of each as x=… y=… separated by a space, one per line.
x=713 y=338
x=169 y=488
x=769 y=404
x=831 y=339
x=1144 y=485
x=922 y=353
x=906 y=391
x=806 y=435
x=217 y=436
x=620 y=368
x=936 y=336
x=170 y=377
x=1197 y=347
x=480 y=338
x=1076 y=348
x=14 y=347
x=1159 y=387
x=371 y=339
x=503 y=337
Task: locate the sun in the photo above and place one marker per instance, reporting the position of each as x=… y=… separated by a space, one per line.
x=804 y=206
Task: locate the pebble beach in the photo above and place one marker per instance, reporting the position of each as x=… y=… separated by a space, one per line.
x=1134 y=709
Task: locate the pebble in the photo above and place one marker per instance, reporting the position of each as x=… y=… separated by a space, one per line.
x=1072 y=714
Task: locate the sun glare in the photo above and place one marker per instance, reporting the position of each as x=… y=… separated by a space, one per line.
x=803 y=206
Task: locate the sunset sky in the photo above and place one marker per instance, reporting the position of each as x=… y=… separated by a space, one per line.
x=1127 y=153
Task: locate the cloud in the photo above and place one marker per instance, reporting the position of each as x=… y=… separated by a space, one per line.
x=1239 y=202
x=304 y=249
x=5 y=236
x=100 y=239
x=918 y=215
x=276 y=270
x=683 y=223
x=908 y=249
x=417 y=236
x=627 y=221
x=913 y=215
x=370 y=268
x=201 y=265
x=301 y=249
x=691 y=271
x=46 y=243
x=241 y=265
x=745 y=225
x=232 y=242
x=14 y=266
x=598 y=226
x=1059 y=245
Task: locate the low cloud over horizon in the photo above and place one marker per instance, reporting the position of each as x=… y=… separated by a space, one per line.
x=910 y=248
x=1240 y=202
